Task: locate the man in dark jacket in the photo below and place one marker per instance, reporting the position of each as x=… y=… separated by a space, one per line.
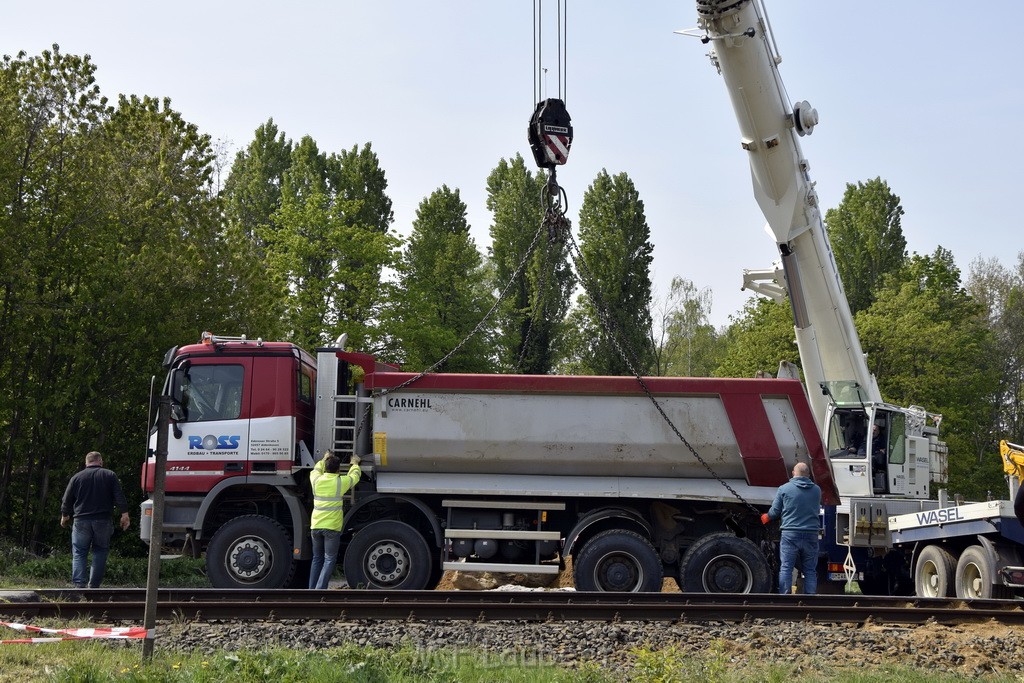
x=798 y=503
x=90 y=498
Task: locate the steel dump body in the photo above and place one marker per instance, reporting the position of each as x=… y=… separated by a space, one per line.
x=749 y=430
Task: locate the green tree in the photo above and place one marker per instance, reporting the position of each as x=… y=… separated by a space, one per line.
x=320 y=222
x=686 y=343
x=530 y=319
x=53 y=114
x=112 y=251
x=356 y=176
x=576 y=349
x=867 y=239
x=616 y=248
x=252 y=190
x=758 y=339
x=1000 y=290
x=359 y=183
x=442 y=293
x=325 y=260
x=928 y=344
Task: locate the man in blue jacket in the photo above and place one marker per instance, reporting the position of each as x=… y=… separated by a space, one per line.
x=798 y=503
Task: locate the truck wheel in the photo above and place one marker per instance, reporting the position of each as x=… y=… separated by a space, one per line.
x=250 y=552
x=616 y=560
x=934 y=573
x=973 y=576
x=390 y=555
x=436 y=570
x=723 y=563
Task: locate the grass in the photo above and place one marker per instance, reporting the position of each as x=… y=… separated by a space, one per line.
x=670 y=665
x=93 y=662
x=82 y=662
x=21 y=569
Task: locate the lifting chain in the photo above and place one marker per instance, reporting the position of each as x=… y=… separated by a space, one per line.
x=629 y=356
x=558 y=228
x=501 y=297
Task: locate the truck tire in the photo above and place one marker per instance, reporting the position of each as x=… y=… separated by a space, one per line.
x=723 y=563
x=617 y=560
x=973 y=576
x=390 y=555
x=934 y=573
x=436 y=570
x=252 y=551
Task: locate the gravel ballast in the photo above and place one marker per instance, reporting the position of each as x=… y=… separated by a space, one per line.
x=970 y=650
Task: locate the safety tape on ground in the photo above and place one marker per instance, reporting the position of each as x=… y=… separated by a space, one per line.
x=117 y=632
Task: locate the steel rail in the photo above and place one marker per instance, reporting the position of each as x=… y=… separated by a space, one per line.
x=518 y=596
x=207 y=605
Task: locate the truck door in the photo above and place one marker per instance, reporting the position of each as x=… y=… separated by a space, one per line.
x=897 y=466
x=211 y=440
x=850 y=465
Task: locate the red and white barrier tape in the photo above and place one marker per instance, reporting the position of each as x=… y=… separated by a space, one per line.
x=118 y=632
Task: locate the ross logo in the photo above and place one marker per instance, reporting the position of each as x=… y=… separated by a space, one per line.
x=212 y=443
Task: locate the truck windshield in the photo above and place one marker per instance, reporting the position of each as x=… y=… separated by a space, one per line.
x=845 y=392
x=213 y=392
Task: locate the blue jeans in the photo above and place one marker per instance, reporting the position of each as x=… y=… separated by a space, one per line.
x=325 y=555
x=86 y=534
x=798 y=549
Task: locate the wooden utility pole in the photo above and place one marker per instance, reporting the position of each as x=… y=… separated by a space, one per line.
x=156 y=534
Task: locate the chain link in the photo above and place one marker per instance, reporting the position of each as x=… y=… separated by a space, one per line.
x=557 y=226
x=501 y=297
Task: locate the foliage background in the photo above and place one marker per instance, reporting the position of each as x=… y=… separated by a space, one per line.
x=116 y=243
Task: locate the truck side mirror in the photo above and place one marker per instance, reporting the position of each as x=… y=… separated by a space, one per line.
x=169 y=357
x=177 y=395
x=177 y=389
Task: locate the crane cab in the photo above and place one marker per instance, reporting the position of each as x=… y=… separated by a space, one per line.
x=878 y=449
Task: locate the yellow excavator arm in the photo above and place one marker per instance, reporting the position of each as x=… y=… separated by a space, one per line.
x=1013 y=459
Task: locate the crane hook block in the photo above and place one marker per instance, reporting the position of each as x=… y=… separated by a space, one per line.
x=550 y=133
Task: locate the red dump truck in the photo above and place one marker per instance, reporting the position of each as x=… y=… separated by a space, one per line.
x=505 y=473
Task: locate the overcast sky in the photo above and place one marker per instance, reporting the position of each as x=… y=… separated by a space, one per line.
x=928 y=96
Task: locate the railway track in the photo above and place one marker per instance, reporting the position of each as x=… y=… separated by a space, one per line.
x=127 y=605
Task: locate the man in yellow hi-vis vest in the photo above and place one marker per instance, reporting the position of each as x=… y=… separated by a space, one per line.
x=329 y=488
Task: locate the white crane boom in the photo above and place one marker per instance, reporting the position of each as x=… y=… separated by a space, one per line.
x=770 y=127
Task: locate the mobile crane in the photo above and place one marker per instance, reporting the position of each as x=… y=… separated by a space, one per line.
x=889 y=527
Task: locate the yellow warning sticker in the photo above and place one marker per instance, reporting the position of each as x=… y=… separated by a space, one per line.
x=380 y=447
